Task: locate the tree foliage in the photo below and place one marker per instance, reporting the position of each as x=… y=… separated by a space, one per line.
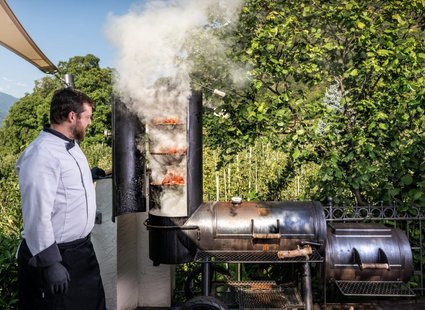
x=339 y=84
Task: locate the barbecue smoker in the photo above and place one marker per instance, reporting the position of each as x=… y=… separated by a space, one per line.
x=183 y=228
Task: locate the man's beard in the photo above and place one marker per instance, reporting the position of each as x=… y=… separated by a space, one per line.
x=78 y=132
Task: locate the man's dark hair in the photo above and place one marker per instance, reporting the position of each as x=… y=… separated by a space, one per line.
x=67 y=100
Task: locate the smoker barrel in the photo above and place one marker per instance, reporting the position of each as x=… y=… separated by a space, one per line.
x=367 y=252
x=258 y=226
x=127 y=160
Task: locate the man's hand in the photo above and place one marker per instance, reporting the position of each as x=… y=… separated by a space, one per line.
x=97 y=173
x=57 y=278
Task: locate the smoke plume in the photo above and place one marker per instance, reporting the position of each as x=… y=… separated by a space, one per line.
x=153 y=67
x=150 y=42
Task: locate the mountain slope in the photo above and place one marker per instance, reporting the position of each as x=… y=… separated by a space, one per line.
x=6 y=101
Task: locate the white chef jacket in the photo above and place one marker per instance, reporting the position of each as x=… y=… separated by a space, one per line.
x=58 y=195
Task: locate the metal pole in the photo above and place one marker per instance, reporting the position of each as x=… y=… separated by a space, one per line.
x=206 y=278
x=323 y=275
x=307 y=292
x=421 y=256
x=68 y=80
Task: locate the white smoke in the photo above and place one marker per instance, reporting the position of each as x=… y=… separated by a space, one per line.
x=175 y=200
x=153 y=70
x=150 y=42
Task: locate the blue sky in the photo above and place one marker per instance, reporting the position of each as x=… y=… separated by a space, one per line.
x=61 y=29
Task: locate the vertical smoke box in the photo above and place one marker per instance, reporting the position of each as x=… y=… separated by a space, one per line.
x=175 y=182
x=158 y=166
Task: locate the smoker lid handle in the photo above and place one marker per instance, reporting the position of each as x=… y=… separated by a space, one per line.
x=266 y=236
x=182 y=227
x=375 y=266
x=304 y=242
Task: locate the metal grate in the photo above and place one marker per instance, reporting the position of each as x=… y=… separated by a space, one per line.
x=252 y=257
x=229 y=291
x=267 y=295
x=374 y=288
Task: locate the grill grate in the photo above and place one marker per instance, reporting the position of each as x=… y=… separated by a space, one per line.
x=261 y=295
x=252 y=257
x=261 y=300
x=264 y=295
x=374 y=288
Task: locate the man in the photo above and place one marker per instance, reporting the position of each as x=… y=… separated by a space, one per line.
x=57 y=266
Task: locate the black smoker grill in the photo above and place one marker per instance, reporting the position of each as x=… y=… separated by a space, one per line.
x=242 y=232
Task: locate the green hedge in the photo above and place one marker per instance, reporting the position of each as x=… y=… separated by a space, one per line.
x=8 y=272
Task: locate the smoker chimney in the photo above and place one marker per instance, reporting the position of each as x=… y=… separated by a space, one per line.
x=68 y=80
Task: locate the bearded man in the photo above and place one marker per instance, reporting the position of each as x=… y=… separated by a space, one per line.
x=57 y=265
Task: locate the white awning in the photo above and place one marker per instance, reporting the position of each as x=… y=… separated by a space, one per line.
x=14 y=37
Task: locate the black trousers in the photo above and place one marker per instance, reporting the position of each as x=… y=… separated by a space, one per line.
x=85 y=291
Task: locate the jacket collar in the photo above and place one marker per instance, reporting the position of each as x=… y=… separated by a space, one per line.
x=69 y=145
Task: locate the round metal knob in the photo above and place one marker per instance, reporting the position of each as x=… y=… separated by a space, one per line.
x=236 y=200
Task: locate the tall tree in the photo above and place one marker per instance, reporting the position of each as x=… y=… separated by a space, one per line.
x=340 y=84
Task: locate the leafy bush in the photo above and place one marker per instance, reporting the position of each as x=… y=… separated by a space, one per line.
x=8 y=272
x=10 y=227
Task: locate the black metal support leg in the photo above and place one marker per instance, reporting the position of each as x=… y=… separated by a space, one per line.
x=307 y=292
x=206 y=278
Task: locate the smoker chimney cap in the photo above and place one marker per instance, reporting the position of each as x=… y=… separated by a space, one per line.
x=68 y=81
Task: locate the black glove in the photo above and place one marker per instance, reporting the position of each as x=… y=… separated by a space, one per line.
x=57 y=278
x=97 y=173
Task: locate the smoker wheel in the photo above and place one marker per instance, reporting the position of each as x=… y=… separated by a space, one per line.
x=204 y=303
x=194 y=279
